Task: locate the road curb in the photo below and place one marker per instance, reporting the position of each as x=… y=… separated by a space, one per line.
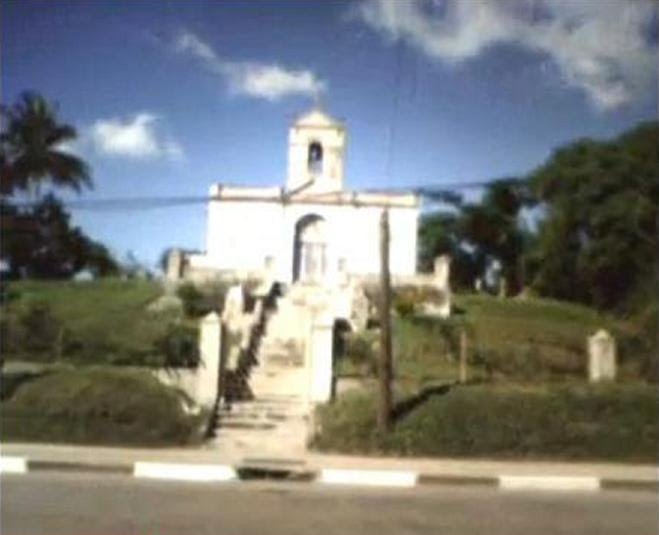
x=59 y=466
x=13 y=464
x=627 y=484
x=370 y=478
x=436 y=479
x=185 y=472
x=549 y=482
x=327 y=476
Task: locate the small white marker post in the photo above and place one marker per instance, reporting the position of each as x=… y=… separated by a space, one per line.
x=185 y=472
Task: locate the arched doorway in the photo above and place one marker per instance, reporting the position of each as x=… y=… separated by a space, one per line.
x=310 y=250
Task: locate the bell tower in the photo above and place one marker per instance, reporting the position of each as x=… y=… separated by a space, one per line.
x=316 y=147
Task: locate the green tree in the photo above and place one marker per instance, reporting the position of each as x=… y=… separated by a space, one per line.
x=439 y=233
x=494 y=228
x=31 y=152
x=598 y=238
x=478 y=234
x=41 y=243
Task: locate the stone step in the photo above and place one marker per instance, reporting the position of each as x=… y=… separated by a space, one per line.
x=255 y=415
x=279 y=384
x=246 y=425
x=287 y=360
x=258 y=413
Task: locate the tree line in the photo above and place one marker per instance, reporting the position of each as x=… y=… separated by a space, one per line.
x=581 y=227
x=38 y=239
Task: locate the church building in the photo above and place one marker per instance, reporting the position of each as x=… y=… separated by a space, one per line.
x=310 y=231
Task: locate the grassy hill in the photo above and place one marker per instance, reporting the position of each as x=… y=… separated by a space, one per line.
x=109 y=321
x=527 y=394
x=97 y=321
x=535 y=421
x=521 y=339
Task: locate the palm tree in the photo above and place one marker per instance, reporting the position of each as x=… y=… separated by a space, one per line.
x=31 y=150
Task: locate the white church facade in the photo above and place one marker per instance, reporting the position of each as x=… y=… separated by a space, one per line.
x=313 y=248
x=310 y=231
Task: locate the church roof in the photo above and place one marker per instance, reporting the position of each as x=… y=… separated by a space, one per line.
x=317 y=117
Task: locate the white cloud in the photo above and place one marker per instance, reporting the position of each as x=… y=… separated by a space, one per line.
x=70 y=147
x=258 y=80
x=600 y=47
x=135 y=137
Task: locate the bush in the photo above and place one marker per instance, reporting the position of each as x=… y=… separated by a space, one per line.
x=361 y=351
x=559 y=422
x=179 y=346
x=193 y=300
x=408 y=300
x=637 y=343
x=405 y=305
x=33 y=329
x=99 y=406
x=199 y=301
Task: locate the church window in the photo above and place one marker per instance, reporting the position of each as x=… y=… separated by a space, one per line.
x=315 y=158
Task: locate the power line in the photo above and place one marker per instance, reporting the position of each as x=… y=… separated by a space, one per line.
x=429 y=192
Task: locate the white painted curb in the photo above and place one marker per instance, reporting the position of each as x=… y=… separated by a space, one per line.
x=13 y=465
x=374 y=478
x=185 y=472
x=565 y=483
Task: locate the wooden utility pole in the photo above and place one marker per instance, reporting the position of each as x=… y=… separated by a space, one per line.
x=385 y=367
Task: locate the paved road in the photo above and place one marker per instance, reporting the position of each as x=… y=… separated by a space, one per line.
x=89 y=504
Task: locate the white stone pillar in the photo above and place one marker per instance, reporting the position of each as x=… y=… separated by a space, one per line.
x=210 y=339
x=601 y=357
x=319 y=354
x=441 y=278
x=174 y=268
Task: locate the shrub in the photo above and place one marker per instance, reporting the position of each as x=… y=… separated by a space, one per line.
x=409 y=299
x=179 y=346
x=637 y=343
x=347 y=425
x=99 y=406
x=193 y=300
x=199 y=301
x=616 y=421
x=34 y=329
x=361 y=351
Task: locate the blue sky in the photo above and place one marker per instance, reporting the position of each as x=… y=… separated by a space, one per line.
x=170 y=97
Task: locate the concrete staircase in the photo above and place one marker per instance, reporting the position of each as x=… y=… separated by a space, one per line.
x=274 y=424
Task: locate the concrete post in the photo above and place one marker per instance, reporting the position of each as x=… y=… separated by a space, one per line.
x=601 y=357
x=174 y=271
x=210 y=343
x=441 y=279
x=320 y=352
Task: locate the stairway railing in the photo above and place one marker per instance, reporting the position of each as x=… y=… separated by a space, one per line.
x=233 y=385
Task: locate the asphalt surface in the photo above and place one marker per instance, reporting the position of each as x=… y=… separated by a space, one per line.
x=68 y=503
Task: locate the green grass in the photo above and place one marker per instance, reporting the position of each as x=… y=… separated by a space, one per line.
x=501 y=324
x=566 y=421
x=98 y=406
x=508 y=339
x=89 y=322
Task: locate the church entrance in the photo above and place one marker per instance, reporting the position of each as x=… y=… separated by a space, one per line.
x=310 y=250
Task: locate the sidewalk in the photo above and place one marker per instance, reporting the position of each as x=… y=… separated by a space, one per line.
x=426 y=471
